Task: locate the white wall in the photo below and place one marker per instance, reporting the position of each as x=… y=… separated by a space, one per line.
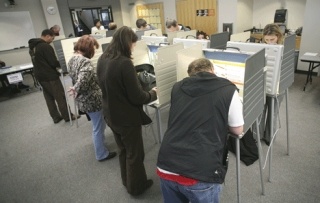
x=311 y=32
x=263 y=12
x=244 y=15
x=227 y=13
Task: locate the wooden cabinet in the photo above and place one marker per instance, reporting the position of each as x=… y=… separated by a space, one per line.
x=153 y=14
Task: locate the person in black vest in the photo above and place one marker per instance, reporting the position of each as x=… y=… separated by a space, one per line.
x=192 y=161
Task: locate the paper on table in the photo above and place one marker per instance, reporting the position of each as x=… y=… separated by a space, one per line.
x=310 y=54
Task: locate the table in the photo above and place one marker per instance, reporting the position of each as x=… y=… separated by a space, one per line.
x=314 y=61
x=27 y=67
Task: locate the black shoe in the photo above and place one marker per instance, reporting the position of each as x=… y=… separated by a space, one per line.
x=57 y=120
x=110 y=156
x=73 y=118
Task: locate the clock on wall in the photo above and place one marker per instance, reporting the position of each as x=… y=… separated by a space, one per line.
x=51 y=10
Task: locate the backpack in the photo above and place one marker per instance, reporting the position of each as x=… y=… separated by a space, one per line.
x=146 y=76
x=248 y=148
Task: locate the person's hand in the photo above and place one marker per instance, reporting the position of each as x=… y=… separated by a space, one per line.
x=72 y=92
x=155 y=89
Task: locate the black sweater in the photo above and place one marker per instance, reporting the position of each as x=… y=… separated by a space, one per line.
x=122 y=93
x=44 y=61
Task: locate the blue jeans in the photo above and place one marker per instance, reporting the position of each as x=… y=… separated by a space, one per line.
x=202 y=192
x=98 y=125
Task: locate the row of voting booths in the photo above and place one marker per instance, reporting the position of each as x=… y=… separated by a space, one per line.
x=258 y=71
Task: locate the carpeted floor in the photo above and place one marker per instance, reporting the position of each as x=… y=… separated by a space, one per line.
x=45 y=162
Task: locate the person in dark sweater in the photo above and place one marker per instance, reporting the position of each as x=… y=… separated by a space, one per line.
x=192 y=160
x=45 y=70
x=123 y=99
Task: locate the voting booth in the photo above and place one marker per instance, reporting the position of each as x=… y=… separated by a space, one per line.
x=156 y=32
x=240 y=37
x=190 y=42
x=279 y=76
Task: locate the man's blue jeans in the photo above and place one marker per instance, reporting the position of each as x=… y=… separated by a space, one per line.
x=98 y=125
x=202 y=192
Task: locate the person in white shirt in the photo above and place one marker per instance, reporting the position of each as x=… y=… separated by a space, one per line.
x=97 y=26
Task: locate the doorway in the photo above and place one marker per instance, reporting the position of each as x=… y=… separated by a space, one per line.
x=83 y=18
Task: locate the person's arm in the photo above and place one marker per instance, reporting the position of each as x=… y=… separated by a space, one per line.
x=235 y=118
x=134 y=91
x=50 y=56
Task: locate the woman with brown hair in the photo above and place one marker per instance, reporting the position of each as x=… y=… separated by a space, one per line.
x=272 y=34
x=87 y=92
x=123 y=99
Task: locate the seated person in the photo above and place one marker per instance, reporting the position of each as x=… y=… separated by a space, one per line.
x=172 y=26
x=142 y=25
x=112 y=26
x=202 y=35
x=97 y=26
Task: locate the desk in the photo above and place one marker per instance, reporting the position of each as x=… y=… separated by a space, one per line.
x=314 y=61
x=28 y=67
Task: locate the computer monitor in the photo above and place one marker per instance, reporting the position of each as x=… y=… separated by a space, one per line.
x=104 y=46
x=219 y=40
x=110 y=33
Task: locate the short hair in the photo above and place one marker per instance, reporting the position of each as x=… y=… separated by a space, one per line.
x=171 y=23
x=141 y=23
x=47 y=32
x=199 y=65
x=273 y=29
x=121 y=43
x=95 y=21
x=86 y=45
x=112 y=26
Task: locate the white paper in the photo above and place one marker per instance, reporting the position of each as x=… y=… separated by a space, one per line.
x=310 y=54
x=15 y=78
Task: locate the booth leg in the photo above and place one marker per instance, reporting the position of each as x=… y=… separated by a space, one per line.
x=154 y=135
x=66 y=96
x=271 y=136
x=287 y=120
x=238 y=168
x=76 y=112
x=159 y=124
x=259 y=152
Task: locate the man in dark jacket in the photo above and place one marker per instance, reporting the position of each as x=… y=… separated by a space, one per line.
x=192 y=161
x=45 y=69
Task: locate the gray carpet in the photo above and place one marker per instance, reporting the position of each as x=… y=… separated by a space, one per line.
x=45 y=162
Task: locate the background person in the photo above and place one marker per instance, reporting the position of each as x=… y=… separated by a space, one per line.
x=271 y=35
x=97 y=26
x=56 y=30
x=123 y=100
x=142 y=25
x=87 y=92
x=173 y=26
x=192 y=161
x=45 y=65
x=113 y=26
